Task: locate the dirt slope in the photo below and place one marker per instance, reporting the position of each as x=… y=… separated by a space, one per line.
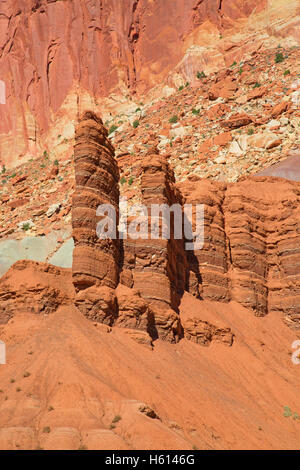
x=71 y=384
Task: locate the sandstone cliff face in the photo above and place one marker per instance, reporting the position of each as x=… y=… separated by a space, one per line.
x=157 y=267
x=250 y=253
x=58 y=57
x=95 y=260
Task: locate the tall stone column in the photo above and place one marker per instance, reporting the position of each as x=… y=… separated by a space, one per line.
x=95 y=261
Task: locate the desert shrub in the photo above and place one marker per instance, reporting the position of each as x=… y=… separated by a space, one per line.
x=112 y=129
x=173 y=119
x=200 y=75
x=279 y=57
x=116 y=419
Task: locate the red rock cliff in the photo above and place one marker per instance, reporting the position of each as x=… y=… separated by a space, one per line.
x=52 y=52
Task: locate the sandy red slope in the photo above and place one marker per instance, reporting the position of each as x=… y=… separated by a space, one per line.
x=67 y=381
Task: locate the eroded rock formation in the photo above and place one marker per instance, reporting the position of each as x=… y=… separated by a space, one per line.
x=250 y=252
x=34 y=287
x=58 y=55
x=95 y=260
x=157 y=267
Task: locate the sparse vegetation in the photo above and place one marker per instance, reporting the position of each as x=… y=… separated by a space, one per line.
x=123 y=180
x=112 y=129
x=56 y=162
x=250 y=131
x=173 y=119
x=181 y=88
x=195 y=111
x=130 y=181
x=26 y=226
x=287 y=413
x=26 y=374
x=116 y=419
x=286 y=72
x=279 y=57
x=257 y=85
x=200 y=75
x=135 y=123
x=46 y=429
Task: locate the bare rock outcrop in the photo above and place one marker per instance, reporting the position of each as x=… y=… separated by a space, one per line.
x=158 y=266
x=95 y=260
x=208 y=266
x=29 y=286
x=250 y=251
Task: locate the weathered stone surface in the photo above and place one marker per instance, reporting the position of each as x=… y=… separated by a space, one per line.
x=158 y=267
x=58 y=56
x=34 y=287
x=98 y=304
x=250 y=252
x=95 y=260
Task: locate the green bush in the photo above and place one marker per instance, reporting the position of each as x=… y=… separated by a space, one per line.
x=112 y=129
x=195 y=111
x=26 y=226
x=250 y=132
x=286 y=72
x=116 y=419
x=173 y=119
x=135 y=124
x=279 y=57
x=201 y=75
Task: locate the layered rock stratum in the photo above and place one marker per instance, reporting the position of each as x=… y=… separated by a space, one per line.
x=123 y=343
x=58 y=58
